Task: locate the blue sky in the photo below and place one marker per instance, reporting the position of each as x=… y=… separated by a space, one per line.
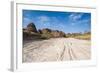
x=68 y=22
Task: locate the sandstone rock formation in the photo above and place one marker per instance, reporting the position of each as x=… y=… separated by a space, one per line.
x=31 y=27
x=52 y=33
x=31 y=32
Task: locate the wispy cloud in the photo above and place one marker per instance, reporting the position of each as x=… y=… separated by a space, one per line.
x=26 y=21
x=43 y=19
x=67 y=22
x=75 y=16
x=50 y=22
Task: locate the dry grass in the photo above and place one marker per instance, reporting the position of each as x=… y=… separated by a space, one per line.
x=84 y=37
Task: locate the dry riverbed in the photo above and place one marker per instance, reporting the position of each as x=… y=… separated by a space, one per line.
x=56 y=49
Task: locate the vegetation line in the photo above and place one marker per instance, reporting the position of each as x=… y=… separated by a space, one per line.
x=31 y=33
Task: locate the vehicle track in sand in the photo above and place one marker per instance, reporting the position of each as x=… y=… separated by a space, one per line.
x=56 y=49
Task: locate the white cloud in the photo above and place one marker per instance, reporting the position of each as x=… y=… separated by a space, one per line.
x=51 y=22
x=27 y=19
x=75 y=16
x=72 y=24
x=43 y=19
x=48 y=21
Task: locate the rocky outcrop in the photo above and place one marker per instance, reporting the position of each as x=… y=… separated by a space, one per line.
x=45 y=31
x=31 y=27
x=32 y=33
x=57 y=33
x=52 y=33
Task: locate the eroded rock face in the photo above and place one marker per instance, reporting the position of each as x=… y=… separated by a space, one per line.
x=45 y=31
x=32 y=33
x=52 y=33
x=31 y=27
x=57 y=33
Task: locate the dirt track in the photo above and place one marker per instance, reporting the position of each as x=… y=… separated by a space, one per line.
x=57 y=49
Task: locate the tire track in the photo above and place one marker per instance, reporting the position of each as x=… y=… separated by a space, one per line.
x=62 y=54
x=57 y=49
x=83 y=50
x=71 y=52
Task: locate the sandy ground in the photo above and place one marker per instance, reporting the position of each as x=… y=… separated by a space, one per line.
x=57 y=49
